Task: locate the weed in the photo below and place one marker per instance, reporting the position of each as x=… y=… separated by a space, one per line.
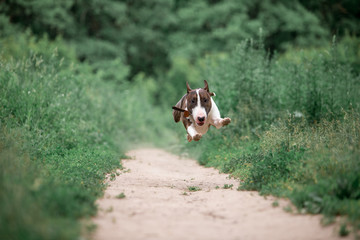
x=343 y=231
x=91 y=227
x=295 y=131
x=62 y=130
x=112 y=177
x=120 y=196
x=109 y=209
x=325 y=221
x=227 y=186
x=296 y=128
x=275 y=203
x=194 y=188
x=288 y=209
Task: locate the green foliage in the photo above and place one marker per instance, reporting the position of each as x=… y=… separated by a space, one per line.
x=227 y=186
x=343 y=232
x=295 y=127
x=146 y=35
x=194 y=188
x=271 y=168
x=62 y=129
x=315 y=166
x=64 y=123
x=338 y=16
x=259 y=90
x=42 y=200
x=172 y=84
x=121 y=196
x=244 y=85
x=322 y=85
x=275 y=203
x=222 y=24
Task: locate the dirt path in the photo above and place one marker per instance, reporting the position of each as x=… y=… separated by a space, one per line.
x=159 y=205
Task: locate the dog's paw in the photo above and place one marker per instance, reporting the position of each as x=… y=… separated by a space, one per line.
x=189 y=138
x=197 y=137
x=225 y=121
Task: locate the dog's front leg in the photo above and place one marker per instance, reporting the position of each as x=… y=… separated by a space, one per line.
x=193 y=134
x=215 y=118
x=220 y=122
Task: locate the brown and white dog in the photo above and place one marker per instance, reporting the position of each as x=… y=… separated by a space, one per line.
x=198 y=111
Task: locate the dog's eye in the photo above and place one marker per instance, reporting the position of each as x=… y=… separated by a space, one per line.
x=193 y=101
x=205 y=100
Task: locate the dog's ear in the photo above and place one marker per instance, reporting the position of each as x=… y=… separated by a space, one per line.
x=206 y=88
x=188 y=87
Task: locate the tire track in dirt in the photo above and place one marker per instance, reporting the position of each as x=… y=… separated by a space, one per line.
x=159 y=205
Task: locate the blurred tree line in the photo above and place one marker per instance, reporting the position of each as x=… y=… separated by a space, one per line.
x=145 y=35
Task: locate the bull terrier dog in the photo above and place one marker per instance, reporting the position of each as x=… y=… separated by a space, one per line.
x=198 y=111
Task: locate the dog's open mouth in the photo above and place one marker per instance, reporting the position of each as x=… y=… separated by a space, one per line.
x=200 y=123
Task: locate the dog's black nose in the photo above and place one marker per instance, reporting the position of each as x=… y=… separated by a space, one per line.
x=201 y=119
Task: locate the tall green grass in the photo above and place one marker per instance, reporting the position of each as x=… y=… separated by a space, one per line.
x=62 y=128
x=257 y=89
x=295 y=129
x=64 y=125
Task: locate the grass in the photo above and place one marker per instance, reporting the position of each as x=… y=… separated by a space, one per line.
x=275 y=203
x=194 y=188
x=343 y=232
x=295 y=131
x=315 y=166
x=227 y=186
x=121 y=195
x=62 y=129
x=54 y=152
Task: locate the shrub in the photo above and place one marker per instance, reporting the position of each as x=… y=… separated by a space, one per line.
x=62 y=129
x=294 y=129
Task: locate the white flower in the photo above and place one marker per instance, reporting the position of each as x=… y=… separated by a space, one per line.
x=298 y=114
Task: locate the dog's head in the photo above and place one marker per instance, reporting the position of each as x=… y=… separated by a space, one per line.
x=198 y=103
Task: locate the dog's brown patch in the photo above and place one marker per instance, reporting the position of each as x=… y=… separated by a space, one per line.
x=191 y=99
x=205 y=100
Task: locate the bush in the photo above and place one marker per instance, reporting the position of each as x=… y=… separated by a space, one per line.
x=255 y=90
x=62 y=129
x=294 y=130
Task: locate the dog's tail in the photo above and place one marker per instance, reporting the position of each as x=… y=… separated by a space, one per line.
x=186 y=112
x=178 y=109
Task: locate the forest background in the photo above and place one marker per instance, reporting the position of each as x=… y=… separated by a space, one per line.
x=83 y=81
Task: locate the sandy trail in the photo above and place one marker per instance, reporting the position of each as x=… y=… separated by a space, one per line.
x=158 y=205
